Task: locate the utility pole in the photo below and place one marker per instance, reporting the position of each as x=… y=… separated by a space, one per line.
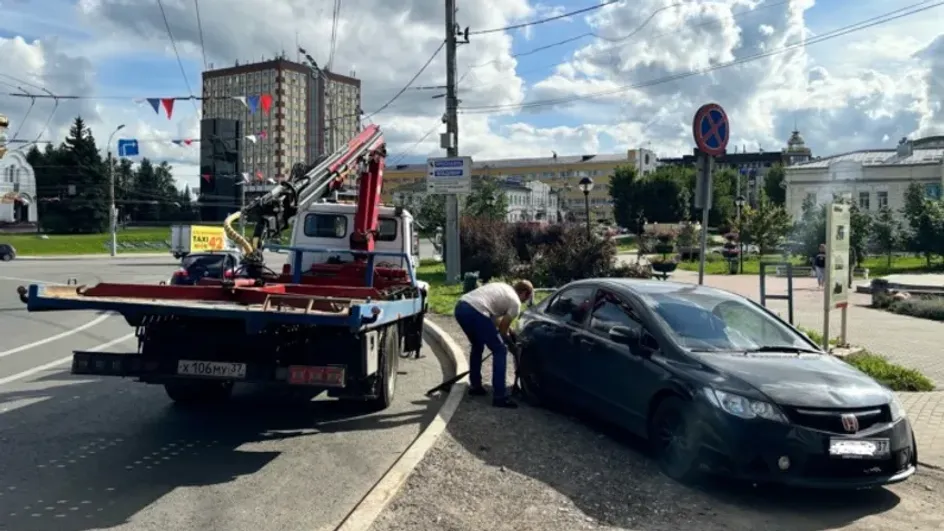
x=451 y=143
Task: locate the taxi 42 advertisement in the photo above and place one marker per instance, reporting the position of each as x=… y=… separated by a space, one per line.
x=203 y=238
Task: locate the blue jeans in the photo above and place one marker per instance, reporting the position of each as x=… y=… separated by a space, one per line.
x=482 y=332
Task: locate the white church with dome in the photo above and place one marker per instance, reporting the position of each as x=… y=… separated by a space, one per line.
x=18 y=205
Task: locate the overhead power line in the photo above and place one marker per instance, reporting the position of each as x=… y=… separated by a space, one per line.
x=196 y=5
x=545 y=20
x=839 y=32
x=410 y=83
x=180 y=63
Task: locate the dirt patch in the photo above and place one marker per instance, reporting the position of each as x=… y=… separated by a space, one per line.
x=531 y=469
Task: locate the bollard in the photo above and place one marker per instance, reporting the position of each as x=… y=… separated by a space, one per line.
x=470 y=281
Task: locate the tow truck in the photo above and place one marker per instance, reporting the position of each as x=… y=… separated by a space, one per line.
x=326 y=323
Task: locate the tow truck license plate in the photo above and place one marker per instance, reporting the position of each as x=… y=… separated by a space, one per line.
x=212 y=369
x=318 y=376
x=859 y=448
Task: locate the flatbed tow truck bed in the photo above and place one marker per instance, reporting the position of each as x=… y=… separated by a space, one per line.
x=314 y=330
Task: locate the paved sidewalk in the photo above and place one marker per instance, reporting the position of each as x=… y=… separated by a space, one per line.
x=907 y=341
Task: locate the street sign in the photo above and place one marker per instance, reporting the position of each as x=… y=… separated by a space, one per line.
x=711 y=129
x=127 y=147
x=449 y=175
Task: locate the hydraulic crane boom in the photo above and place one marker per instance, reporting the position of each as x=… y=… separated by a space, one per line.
x=274 y=210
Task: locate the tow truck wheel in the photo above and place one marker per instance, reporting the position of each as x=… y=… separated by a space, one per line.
x=198 y=392
x=387 y=372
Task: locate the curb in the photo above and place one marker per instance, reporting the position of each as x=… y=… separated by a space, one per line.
x=63 y=257
x=382 y=493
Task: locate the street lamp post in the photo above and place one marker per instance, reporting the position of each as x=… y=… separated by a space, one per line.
x=112 y=210
x=586 y=186
x=739 y=203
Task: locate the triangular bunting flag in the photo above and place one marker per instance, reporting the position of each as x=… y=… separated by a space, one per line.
x=251 y=138
x=176 y=142
x=266 y=101
x=240 y=99
x=263 y=135
x=168 y=104
x=207 y=177
x=259 y=176
x=187 y=141
x=253 y=103
x=245 y=177
x=155 y=104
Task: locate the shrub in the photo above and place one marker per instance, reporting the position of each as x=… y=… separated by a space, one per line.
x=574 y=257
x=526 y=238
x=924 y=308
x=895 y=377
x=634 y=270
x=484 y=247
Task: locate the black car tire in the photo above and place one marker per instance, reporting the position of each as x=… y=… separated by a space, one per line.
x=193 y=393
x=529 y=371
x=386 y=383
x=671 y=439
x=6 y=257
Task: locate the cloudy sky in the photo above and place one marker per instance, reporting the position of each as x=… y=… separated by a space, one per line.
x=626 y=75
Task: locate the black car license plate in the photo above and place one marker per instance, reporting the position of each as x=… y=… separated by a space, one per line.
x=859 y=448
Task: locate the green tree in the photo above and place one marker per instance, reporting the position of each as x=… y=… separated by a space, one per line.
x=487 y=201
x=625 y=210
x=774 y=185
x=765 y=225
x=432 y=212
x=921 y=218
x=87 y=209
x=886 y=233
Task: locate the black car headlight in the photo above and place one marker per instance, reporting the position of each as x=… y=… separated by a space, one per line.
x=897 y=410
x=743 y=407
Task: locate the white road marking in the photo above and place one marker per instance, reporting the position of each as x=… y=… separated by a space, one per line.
x=32 y=280
x=53 y=364
x=56 y=337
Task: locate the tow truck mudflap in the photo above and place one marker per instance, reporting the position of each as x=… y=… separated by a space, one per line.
x=135 y=365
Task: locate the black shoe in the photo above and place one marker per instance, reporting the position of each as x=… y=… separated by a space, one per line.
x=506 y=403
x=477 y=391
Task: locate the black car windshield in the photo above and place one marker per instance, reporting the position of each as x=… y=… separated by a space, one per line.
x=204 y=264
x=717 y=321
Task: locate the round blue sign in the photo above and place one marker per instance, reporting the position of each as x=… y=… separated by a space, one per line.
x=711 y=129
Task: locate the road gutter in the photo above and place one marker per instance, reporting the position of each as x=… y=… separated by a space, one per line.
x=452 y=358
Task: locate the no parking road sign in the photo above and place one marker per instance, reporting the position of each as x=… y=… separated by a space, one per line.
x=711 y=129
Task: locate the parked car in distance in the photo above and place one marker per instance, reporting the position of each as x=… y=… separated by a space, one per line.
x=216 y=264
x=7 y=252
x=714 y=382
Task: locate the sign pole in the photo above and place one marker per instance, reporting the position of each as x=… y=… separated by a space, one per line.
x=711 y=131
x=452 y=255
x=705 y=179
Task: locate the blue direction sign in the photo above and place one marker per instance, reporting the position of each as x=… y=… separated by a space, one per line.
x=711 y=129
x=449 y=175
x=127 y=147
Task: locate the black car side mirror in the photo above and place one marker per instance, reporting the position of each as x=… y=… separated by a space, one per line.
x=623 y=335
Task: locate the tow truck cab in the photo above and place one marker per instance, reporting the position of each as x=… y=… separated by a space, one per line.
x=328 y=225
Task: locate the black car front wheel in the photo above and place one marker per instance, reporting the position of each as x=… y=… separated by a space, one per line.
x=672 y=440
x=6 y=257
x=533 y=386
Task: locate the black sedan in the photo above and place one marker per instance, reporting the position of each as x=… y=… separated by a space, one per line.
x=196 y=266
x=714 y=382
x=7 y=252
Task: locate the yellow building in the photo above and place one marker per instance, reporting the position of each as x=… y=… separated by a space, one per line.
x=561 y=173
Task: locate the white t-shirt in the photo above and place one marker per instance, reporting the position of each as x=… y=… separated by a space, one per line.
x=495 y=300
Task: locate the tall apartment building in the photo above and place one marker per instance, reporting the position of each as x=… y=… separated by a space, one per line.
x=312 y=112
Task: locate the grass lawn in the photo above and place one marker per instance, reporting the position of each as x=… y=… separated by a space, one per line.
x=877 y=265
x=130 y=240
x=139 y=240
x=443 y=298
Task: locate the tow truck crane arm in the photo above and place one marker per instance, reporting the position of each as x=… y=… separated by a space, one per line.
x=274 y=210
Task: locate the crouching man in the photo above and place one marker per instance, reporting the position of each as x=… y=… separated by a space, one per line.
x=485 y=315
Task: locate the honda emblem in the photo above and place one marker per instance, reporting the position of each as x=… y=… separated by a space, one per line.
x=850 y=423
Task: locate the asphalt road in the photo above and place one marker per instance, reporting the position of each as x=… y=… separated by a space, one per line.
x=89 y=453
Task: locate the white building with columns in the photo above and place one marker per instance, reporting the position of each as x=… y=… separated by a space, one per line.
x=872 y=178
x=17 y=190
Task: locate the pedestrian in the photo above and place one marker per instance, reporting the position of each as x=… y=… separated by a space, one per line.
x=485 y=315
x=819 y=266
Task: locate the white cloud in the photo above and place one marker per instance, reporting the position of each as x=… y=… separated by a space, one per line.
x=852 y=92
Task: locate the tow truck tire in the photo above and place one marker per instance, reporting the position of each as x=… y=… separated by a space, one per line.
x=387 y=371
x=191 y=393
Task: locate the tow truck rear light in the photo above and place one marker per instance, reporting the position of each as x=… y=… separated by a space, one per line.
x=229 y=273
x=180 y=273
